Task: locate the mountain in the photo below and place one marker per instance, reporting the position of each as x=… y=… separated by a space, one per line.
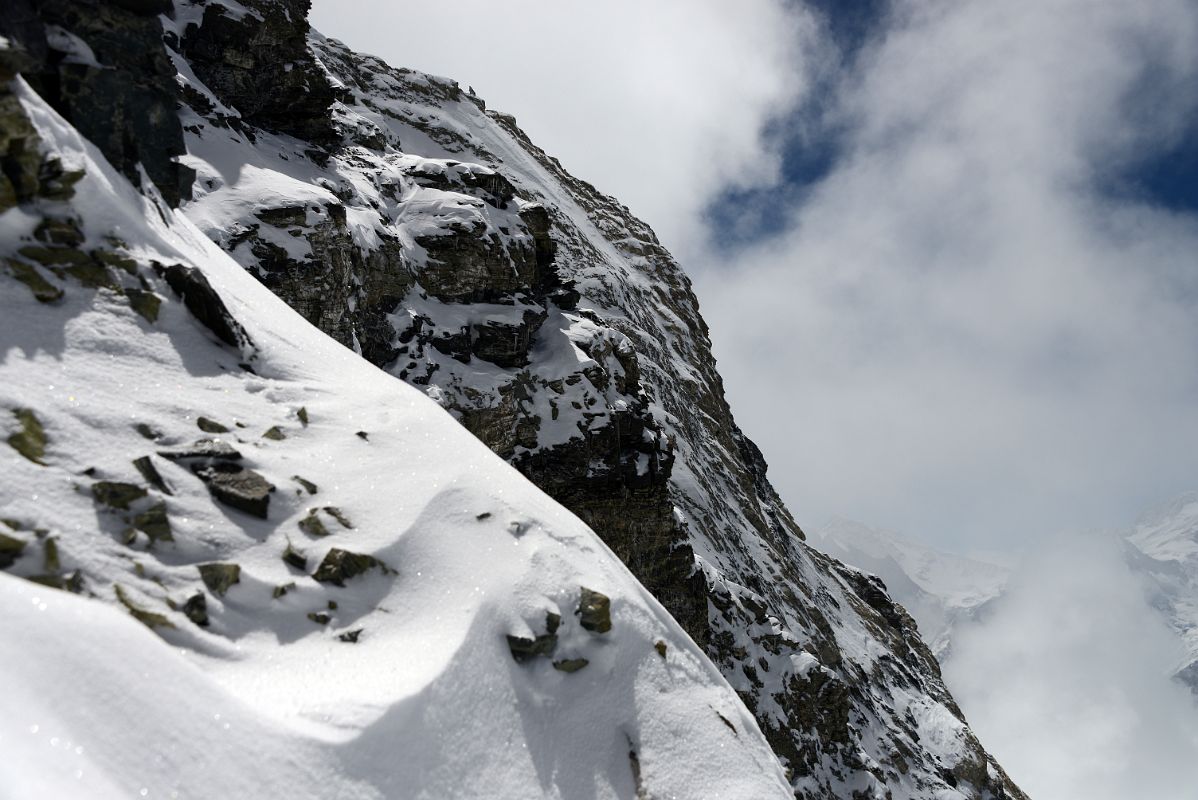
x=941 y=591
x=429 y=237
x=1163 y=548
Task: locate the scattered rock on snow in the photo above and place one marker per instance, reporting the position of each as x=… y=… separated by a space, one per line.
x=30 y=440
x=339 y=566
x=236 y=486
x=219 y=577
x=594 y=609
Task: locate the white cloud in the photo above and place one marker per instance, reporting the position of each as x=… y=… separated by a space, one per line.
x=961 y=333
x=662 y=104
x=1067 y=683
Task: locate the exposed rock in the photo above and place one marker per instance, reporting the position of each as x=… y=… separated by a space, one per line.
x=320 y=617
x=524 y=650
x=154 y=523
x=196 y=609
x=259 y=64
x=595 y=611
x=219 y=577
x=28 y=274
x=150 y=619
x=117 y=495
x=144 y=303
x=570 y=664
x=236 y=486
x=207 y=449
x=10 y=550
x=274 y=433
x=309 y=487
x=30 y=438
x=210 y=425
x=350 y=637
x=205 y=304
x=124 y=100
x=295 y=558
x=660 y=647
x=148 y=471
x=339 y=566
x=312 y=524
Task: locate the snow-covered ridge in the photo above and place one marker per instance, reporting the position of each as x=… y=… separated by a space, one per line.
x=369 y=655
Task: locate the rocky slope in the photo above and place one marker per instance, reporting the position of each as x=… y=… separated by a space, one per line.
x=398 y=215
x=297 y=576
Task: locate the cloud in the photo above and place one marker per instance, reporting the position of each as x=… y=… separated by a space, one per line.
x=972 y=328
x=1067 y=682
x=663 y=104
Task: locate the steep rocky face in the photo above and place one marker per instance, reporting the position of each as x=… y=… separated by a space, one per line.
x=398 y=215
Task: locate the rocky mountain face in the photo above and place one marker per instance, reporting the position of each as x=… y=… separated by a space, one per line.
x=400 y=216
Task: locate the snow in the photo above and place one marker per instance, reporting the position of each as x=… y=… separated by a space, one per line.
x=429 y=702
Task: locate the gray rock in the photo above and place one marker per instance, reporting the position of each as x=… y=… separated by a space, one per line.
x=236 y=486
x=219 y=577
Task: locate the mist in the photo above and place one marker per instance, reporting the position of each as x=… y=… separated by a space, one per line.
x=1068 y=684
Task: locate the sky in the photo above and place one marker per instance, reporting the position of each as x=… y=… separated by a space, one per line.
x=946 y=249
x=948 y=252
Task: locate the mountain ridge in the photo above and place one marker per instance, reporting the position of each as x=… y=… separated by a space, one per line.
x=397 y=215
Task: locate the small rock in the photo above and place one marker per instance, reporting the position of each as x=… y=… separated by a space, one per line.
x=148 y=618
x=210 y=425
x=148 y=432
x=202 y=448
x=148 y=471
x=524 y=650
x=236 y=486
x=282 y=589
x=320 y=618
x=363 y=436
x=275 y=433
x=595 y=611
x=115 y=494
x=50 y=562
x=482 y=516
x=309 y=487
x=204 y=303
x=660 y=647
x=339 y=566
x=303 y=416
x=196 y=609
x=219 y=577
x=339 y=515
x=351 y=636
x=312 y=524
x=30 y=440
x=570 y=664
x=147 y=304
x=10 y=550
x=43 y=291
x=295 y=558
x=153 y=522
x=72 y=584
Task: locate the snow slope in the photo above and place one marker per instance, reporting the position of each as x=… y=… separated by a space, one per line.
x=398 y=683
